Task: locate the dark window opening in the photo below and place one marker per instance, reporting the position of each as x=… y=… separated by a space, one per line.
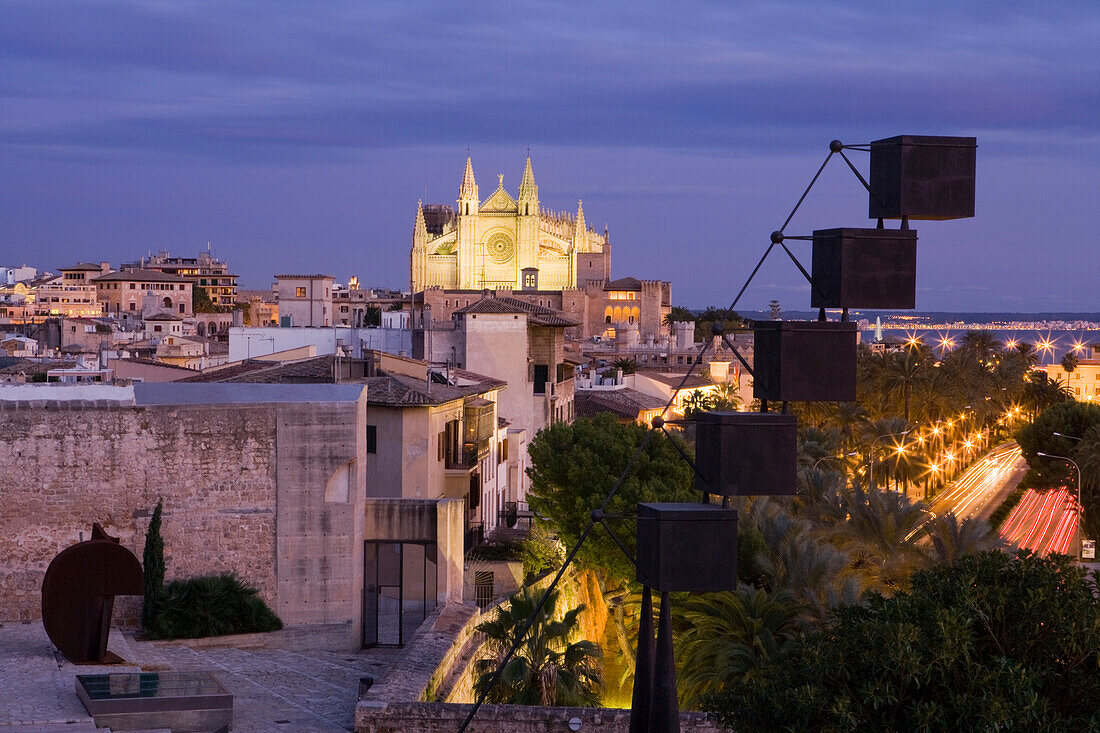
x=541 y=377
x=372 y=439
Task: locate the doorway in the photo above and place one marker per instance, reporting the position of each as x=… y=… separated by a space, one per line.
x=399 y=590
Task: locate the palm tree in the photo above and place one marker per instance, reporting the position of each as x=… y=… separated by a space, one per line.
x=880 y=532
x=1027 y=350
x=629 y=366
x=1070 y=362
x=1040 y=392
x=982 y=345
x=795 y=560
x=546 y=669
x=952 y=539
x=729 y=635
x=677 y=314
x=901 y=371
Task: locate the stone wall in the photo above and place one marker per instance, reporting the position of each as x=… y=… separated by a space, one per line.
x=424 y=717
x=64 y=465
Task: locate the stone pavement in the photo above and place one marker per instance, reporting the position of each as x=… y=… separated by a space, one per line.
x=273 y=689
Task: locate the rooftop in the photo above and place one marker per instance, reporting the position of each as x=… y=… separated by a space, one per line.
x=149 y=276
x=536 y=314
x=624 y=402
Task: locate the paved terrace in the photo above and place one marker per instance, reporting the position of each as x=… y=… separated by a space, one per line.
x=273 y=689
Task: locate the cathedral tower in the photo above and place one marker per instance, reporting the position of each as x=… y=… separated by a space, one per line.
x=468 y=204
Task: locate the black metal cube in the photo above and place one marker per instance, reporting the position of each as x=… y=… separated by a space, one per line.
x=864 y=268
x=922 y=177
x=804 y=361
x=687 y=547
x=746 y=453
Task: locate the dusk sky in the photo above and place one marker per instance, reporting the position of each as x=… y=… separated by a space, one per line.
x=298 y=136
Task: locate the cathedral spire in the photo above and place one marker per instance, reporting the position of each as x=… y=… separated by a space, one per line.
x=420 y=229
x=467 y=192
x=580 y=230
x=528 y=190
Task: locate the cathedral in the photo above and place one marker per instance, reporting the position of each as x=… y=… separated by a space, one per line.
x=504 y=243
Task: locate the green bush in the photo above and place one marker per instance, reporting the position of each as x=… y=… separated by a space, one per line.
x=210 y=605
x=497 y=551
x=1000 y=514
x=541 y=552
x=153 y=563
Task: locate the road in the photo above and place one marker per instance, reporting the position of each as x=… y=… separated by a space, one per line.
x=984 y=485
x=1043 y=521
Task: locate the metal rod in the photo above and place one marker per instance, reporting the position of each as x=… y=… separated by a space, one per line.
x=553 y=584
x=683 y=454
x=803 y=197
x=680 y=386
x=751 y=276
x=803 y=271
x=619 y=542
x=862 y=180
x=740 y=358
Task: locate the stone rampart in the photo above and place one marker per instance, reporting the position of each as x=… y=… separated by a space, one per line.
x=66 y=464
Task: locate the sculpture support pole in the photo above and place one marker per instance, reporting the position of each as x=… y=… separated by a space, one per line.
x=664 y=715
x=643 y=667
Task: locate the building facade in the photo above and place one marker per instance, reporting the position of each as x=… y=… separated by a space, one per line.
x=131 y=295
x=204 y=271
x=304 y=300
x=504 y=242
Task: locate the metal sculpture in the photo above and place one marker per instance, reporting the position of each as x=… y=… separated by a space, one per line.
x=693 y=547
x=864 y=268
x=746 y=453
x=78 y=594
x=922 y=177
x=804 y=361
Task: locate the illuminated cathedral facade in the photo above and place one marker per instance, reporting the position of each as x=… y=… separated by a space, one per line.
x=504 y=242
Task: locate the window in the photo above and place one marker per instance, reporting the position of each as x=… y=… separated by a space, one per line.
x=299 y=292
x=182 y=308
x=541 y=377
x=133 y=286
x=372 y=439
x=157 y=329
x=133 y=306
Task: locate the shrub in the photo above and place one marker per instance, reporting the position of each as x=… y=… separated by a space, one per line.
x=1000 y=514
x=153 y=562
x=540 y=553
x=211 y=605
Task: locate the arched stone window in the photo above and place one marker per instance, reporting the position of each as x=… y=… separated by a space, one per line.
x=167 y=302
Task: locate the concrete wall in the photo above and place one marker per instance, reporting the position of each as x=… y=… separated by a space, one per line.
x=320 y=534
x=496 y=345
x=418 y=520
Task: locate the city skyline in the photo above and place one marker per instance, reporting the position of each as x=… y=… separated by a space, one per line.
x=301 y=139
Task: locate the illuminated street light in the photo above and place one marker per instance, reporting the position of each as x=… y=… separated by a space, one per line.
x=1077 y=509
x=871 y=469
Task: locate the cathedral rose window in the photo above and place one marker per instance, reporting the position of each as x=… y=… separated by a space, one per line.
x=500 y=248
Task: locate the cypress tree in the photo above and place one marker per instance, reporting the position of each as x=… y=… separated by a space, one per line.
x=153 y=560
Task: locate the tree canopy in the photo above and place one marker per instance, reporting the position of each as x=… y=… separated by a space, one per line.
x=993 y=642
x=574 y=467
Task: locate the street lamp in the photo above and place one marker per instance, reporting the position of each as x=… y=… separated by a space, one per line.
x=871 y=470
x=1070 y=437
x=1080 y=544
x=829 y=458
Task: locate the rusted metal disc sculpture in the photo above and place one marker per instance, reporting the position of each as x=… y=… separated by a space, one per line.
x=78 y=594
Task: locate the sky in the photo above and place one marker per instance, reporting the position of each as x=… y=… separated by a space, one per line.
x=298 y=136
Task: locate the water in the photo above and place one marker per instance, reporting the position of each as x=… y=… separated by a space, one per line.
x=1062 y=341
x=1061 y=330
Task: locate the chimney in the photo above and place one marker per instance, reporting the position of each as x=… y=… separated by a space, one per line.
x=104 y=267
